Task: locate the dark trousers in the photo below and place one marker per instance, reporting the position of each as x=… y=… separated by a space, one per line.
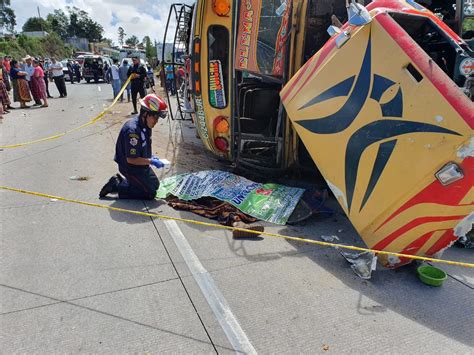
x=171 y=86
x=61 y=85
x=137 y=88
x=46 y=81
x=139 y=184
x=71 y=76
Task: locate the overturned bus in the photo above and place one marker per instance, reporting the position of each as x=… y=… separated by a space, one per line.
x=382 y=105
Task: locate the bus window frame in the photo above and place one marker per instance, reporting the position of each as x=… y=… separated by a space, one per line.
x=225 y=78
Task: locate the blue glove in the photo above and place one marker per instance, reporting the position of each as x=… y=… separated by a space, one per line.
x=156 y=162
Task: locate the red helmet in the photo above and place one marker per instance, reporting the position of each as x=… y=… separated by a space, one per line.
x=154 y=103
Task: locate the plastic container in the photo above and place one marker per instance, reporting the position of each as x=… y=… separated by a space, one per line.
x=431 y=275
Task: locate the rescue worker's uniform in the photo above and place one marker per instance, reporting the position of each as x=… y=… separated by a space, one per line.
x=134 y=141
x=133 y=154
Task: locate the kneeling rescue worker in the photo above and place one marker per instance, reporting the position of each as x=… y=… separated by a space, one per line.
x=133 y=154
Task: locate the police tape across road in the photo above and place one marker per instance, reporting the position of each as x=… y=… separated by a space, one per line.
x=218 y=226
x=91 y=122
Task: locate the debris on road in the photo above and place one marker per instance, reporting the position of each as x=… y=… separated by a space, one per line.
x=330 y=238
x=361 y=263
x=79 y=178
x=466 y=241
x=236 y=234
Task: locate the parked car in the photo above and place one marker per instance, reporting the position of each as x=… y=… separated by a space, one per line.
x=95 y=62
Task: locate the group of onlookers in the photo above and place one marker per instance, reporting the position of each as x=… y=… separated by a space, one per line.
x=172 y=78
x=28 y=80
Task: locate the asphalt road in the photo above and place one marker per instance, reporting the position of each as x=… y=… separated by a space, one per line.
x=83 y=279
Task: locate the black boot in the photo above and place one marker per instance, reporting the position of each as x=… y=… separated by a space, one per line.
x=110 y=186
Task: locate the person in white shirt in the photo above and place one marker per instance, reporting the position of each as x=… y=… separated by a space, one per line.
x=56 y=70
x=113 y=76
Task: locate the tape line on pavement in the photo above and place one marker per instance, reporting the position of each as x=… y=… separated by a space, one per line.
x=219 y=226
x=214 y=297
x=91 y=122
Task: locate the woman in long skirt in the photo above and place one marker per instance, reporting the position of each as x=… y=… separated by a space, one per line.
x=4 y=99
x=38 y=85
x=21 y=91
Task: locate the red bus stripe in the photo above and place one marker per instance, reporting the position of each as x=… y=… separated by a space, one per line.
x=450 y=195
x=446 y=239
x=415 y=223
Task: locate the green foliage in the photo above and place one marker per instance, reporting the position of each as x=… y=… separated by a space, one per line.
x=468 y=24
x=77 y=23
x=36 y=24
x=149 y=48
x=59 y=23
x=48 y=46
x=132 y=41
x=8 y=17
x=121 y=35
x=81 y=25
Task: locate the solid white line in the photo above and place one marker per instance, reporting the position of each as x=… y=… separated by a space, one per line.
x=214 y=297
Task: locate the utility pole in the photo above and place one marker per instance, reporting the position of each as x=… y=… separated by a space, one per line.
x=39 y=16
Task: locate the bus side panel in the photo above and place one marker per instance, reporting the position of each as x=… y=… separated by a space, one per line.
x=211 y=81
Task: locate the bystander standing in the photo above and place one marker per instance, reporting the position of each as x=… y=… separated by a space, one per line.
x=29 y=69
x=137 y=72
x=123 y=73
x=113 y=77
x=56 y=70
x=37 y=83
x=4 y=98
x=21 y=92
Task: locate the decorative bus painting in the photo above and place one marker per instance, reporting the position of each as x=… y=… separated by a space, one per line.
x=240 y=54
x=281 y=84
x=235 y=73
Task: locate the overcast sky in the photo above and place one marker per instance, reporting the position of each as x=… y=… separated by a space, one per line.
x=137 y=17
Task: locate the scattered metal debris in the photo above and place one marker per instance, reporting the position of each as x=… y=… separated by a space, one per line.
x=361 y=263
x=79 y=178
x=329 y=238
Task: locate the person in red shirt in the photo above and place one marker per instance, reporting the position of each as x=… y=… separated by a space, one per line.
x=6 y=75
x=6 y=63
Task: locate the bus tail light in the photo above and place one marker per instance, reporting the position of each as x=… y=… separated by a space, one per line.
x=221 y=124
x=221 y=7
x=222 y=144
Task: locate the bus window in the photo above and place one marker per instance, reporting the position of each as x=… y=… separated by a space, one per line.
x=262 y=37
x=272 y=32
x=218 y=61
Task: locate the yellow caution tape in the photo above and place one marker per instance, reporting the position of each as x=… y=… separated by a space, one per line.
x=91 y=122
x=218 y=226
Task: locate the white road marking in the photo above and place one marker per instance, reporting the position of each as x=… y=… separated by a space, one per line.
x=214 y=297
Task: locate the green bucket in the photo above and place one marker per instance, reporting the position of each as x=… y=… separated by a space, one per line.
x=431 y=275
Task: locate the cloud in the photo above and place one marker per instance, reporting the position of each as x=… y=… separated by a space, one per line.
x=137 y=17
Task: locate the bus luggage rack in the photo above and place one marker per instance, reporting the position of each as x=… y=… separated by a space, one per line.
x=174 y=53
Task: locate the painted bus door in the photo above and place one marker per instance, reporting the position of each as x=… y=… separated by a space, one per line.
x=391 y=133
